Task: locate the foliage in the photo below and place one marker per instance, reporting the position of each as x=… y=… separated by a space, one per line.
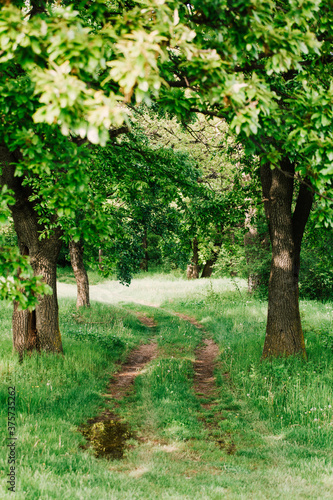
x=142 y=189
x=264 y=67
x=316 y=278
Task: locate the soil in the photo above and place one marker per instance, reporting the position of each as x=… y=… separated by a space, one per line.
x=204 y=380
x=106 y=433
x=145 y=320
x=122 y=381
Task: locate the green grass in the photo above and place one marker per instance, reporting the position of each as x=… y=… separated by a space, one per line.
x=292 y=396
x=240 y=448
x=66 y=275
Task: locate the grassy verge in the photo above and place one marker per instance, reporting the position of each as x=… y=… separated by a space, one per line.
x=55 y=394
x=240 y=448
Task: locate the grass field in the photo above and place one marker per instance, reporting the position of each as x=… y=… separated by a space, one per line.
x=268 y=436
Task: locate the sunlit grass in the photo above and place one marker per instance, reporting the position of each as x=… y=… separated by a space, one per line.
x=290 y=395
x=153 y=289
x=239 y=448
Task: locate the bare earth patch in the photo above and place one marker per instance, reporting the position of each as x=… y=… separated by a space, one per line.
x=145 y=320
x=123 y=380
x=105 y=432
x=204 y=380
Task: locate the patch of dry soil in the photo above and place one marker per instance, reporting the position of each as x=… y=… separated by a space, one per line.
x=123 y=380
x=204 y=380
x=145 y=320
x=105 y=432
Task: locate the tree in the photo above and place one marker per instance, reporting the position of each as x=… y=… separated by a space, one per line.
x=80 y=273
x=219 y=203
x=269 y=76
x=144 y=188
x=51 y=60
x=264 y=67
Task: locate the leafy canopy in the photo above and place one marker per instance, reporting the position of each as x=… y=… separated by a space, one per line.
x=264 y=66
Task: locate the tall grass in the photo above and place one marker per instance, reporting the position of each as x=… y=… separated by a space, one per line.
x=268 y=434
x=54 y=394
x=290 y=395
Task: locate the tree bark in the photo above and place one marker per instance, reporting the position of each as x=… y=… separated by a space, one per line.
x=80 y=273
x=251 y=240
x=100 y=259
x=39 y=329
x=284 y=334
x=193 y=268
x=208 y=267
x=144 y=262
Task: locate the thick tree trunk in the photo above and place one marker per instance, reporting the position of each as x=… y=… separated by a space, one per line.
x=193 y=269
x=284 y=335
x=39 y=329
x=80 y=273
x=46 y=322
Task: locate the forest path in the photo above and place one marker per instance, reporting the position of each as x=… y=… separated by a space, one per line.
x=204 y=381
x=122 y=380
x=107 y=432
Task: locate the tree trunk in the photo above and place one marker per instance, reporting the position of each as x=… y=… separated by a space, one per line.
x=39 y=329
x=208 y=267
x=251 y=241
x=284 y=335
x=193 y=268
x=80 y=273
x=232 y=270
x=144 y=262
x=100 y=259
x=46 y=322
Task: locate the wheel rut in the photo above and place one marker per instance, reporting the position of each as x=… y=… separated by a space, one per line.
x=204 y=380
x=123 y=380
x=106 y=433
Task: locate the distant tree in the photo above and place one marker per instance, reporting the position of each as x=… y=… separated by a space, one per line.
x=264 y=67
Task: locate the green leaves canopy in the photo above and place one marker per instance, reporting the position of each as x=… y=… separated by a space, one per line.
x=264 y=66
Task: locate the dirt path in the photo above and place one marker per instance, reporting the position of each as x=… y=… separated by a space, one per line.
x=204 y=380
x=106 y=433
x=205 y=358
x=146 y=320
x=122 y=381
